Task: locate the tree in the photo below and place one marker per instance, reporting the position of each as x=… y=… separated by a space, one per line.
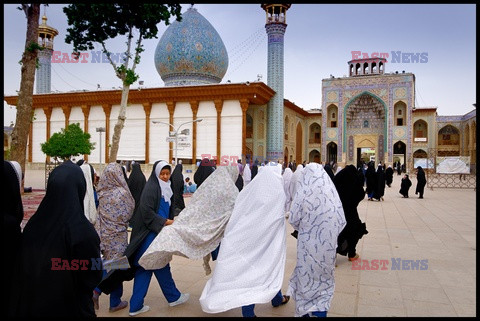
x=96 y=23
x=71 y=141
x=25 y=95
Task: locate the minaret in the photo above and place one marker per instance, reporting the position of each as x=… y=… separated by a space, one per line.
x=45 y=40
x=276 y=25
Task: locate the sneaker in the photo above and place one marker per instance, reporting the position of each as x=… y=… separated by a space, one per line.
x=182 y=299
x=121 y=305
x=142 y=310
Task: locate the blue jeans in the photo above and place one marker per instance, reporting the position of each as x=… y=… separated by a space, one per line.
x=249 y=310
x=142 y=281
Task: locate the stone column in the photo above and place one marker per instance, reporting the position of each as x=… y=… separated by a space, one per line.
x=107 y=109
x=147 y=107
x=194 y=106
x=48 y=114
x=86 y=113
x=219 y=107
x=244 y=104
x=66 y=111
x=171 y=110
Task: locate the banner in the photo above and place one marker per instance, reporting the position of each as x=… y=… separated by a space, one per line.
x=423 y=163
x=453 y=165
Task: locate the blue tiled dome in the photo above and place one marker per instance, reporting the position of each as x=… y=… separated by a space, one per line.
x=191 y=52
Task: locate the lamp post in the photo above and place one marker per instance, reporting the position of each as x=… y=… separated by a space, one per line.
x=100 y=130
x=175 y=131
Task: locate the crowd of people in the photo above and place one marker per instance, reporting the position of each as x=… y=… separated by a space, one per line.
x=236 y=216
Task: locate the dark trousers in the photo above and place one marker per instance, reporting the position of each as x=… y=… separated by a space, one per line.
x=249 y=310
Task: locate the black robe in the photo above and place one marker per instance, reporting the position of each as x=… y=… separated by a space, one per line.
x=145 y=219
x=177 y=184
x=203 y=171
x=329 y=171
x=389 y=175
x=421 y=181
x=136 y=183
x=379 y=190
x=370 y=178
x=349 y=185
x=12 y=233
x=405 y=186
x=59 y=230
x=239 y=182
x=254 y=170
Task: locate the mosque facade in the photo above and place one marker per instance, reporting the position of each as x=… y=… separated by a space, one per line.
x=369 y=114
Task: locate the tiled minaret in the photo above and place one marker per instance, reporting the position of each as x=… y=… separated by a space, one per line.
x=45 y=39
x=276 y=24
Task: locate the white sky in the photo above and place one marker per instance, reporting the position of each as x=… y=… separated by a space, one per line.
x=319 y=41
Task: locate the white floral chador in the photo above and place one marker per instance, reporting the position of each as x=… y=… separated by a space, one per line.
x=199 y=227
x=317 y=214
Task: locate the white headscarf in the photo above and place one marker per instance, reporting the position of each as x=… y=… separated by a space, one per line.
x=89 y=200
x=247 y=174
x=18 y=171
x=165 y=186
x=251 y=262
x=317 y=214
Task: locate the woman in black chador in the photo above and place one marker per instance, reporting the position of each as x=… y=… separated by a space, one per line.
x=349 y=185
x=405 y=186
x=57 y=274
x=178 y=202
x=371 y=180
x=421 y=182
x=379 y=189
x=389 y=175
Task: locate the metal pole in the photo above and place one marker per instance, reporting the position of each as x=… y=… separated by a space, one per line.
x=176 y=147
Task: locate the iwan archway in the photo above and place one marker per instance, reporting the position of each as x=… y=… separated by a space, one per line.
x=365 y=119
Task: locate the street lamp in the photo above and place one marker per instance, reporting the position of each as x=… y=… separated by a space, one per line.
x=100 y=130
x=175 y=132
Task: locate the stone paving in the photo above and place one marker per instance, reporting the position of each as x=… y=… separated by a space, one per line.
x=437 y=232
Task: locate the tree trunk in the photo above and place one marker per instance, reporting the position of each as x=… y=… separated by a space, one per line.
x=25 y=96
x=117 y=130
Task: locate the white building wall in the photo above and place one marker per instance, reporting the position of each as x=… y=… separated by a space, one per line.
x=57 y=121
x=39 y=136
x=231 y=144
x=96 y=118
x=76 y=116
x=207 y=129
x=132 y=140
x=159 y=132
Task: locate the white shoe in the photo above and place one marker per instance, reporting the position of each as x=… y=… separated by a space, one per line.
x=142 y=310
x=182 y=299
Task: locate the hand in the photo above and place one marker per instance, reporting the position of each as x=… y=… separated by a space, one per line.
x=168 y=222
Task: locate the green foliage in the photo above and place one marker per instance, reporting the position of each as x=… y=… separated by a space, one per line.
x=67 y=143
x=95 y=23
x=33 y=46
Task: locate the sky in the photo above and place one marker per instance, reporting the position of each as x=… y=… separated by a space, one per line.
x=319 y=41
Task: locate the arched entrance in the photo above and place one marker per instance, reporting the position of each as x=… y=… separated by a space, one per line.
x=365 y=152
x=314 y=156
x=399 y=152
x=331 y=152
x=298 y=144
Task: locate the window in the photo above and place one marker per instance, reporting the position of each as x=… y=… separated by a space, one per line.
x=365 y=124
x=333 y=115
x=399 y=121
x=446 y=137
x=333 y=123
x=399 y=111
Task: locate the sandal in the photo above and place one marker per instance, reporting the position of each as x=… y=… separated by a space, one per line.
x=285 y=300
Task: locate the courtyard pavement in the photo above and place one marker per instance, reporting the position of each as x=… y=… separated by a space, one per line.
x=428 y=247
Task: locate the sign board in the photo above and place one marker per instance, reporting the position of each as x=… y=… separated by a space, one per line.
x=170 y=139
x=183 y=144
x=182 y=138
x=172 y=134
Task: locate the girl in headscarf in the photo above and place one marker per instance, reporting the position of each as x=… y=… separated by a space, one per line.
x=89 y=204
x=199 y=228
x=176 y=180
x=421 y=182
x=12 y=219
x=317 y=214
x=58 y=231
x=254 y=168
x=155 y=212
x=116 y=205
x=136 y=183
x=349 y=185
x=405 y=186
x=293 y=189
x=389 y=175
x=251 y=262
